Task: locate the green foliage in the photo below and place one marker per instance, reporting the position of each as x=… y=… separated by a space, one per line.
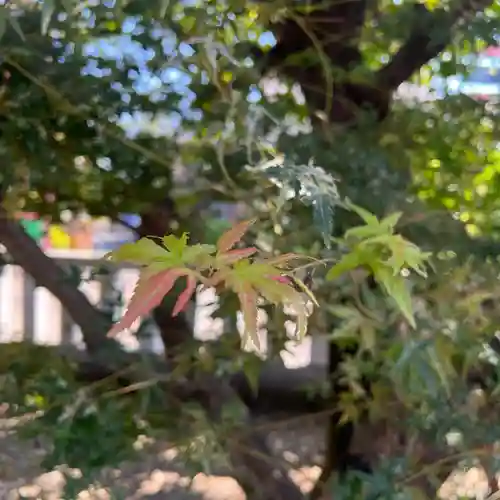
x=39 y=383
x=387 y=255
x=313 y=186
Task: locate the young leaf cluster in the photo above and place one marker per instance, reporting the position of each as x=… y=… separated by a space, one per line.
x=314 y=187
x=388 y=256
x=241 y=271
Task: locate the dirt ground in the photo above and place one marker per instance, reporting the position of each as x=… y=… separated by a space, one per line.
x=160 y=475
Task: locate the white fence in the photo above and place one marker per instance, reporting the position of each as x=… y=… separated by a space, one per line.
x=32 y=313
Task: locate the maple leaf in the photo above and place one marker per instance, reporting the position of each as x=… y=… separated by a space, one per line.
x=278 y=292
x=253 y=279
x=175 y=253
x=143 y=251
x=225 y=256
x=163 y=265
x=174 y=244
x=248 y=301
x=232 y=236
x=148 y=294
x=185 y=296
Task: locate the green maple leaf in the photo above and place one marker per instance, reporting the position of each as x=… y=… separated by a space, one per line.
x=176 y=245
x=347 y=263
x=199 y=255
x=396 y=287
x=144 y=251
x=177 y=253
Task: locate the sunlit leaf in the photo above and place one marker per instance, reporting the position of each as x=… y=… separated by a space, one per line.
x=347 y=263
x=248 y=301
x=143 y=251
x=233 y=235
x=185 y=296
x=176 y=245
x=148 y=294
x=397 y=289
x=199 y=254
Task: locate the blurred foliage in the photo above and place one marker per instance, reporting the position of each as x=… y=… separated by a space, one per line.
x=112 y=106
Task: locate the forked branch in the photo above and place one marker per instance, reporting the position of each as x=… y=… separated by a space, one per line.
x=430 y=34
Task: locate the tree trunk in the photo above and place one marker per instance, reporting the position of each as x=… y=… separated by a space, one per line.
x=46 y=273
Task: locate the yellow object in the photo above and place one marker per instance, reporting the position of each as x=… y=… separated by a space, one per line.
x=58 y=237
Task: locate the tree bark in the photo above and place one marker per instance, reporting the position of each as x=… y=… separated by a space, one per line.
x=46 y=273
x=332 y=30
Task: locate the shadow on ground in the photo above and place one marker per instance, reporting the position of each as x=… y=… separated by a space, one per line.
x=158 y=475
x=161 y=475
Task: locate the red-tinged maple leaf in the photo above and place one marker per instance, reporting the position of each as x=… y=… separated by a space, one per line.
x=281 y=279
x=148 y=294
x=233 y=235
x=185 y=296
x=248 y=300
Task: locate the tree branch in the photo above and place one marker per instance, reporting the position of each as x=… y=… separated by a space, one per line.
x=430 y=34
x=327 y=33
x=46 y=273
